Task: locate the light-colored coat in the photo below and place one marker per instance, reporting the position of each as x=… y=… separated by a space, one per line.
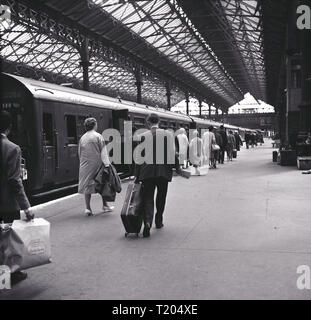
x=196 y=151
x=92 y=153
x=208 y=140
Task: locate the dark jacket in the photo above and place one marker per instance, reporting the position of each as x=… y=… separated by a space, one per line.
x=218 y=138
x=12 y=194
x=238 y=141
x=224 y=138
x=151 y=169
x=108 y=182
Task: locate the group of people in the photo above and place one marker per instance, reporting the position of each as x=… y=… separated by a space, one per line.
x=253 y=138
x=207 y=149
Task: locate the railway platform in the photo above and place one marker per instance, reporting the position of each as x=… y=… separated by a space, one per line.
x=240 y=232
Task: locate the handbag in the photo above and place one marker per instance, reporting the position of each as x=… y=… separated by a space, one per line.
x=215 y=147
x=107 y=192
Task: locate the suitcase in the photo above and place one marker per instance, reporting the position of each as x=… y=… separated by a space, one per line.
x=234 y=153
x=131 y=213
x=185 y=173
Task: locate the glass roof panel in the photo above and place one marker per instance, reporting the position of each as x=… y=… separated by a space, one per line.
x=159 y=23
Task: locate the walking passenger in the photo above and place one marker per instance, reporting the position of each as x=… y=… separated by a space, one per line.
x=213 y=147
x=182 y=146
x=219 y=143
x=196 y=151
x=231 y=145
x=247 y=139
x=238 y=141
x=12 y=194
x=156 y=176
x=224 y=143
x=92 y=153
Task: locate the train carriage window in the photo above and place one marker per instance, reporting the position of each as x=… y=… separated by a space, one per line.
x=163 y=124
x=80 y=126
x=172 y=125
x=139 y=123
x=71 y=129
x=47 y=127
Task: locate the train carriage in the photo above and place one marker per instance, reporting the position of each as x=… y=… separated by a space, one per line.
x=48 y=123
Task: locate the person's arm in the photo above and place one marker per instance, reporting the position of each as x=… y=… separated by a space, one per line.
x=213 y=139
x=104 y=154
x=14 y=179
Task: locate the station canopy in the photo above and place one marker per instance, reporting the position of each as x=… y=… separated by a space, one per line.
x=213 y=50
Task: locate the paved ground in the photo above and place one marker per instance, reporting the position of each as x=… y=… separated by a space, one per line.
x=238 y=233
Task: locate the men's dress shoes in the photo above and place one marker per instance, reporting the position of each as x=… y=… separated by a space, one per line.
x=17 y=277
x=146 y=232
x=159 y=225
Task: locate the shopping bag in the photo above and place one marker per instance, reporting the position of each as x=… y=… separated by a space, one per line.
x=26 y=245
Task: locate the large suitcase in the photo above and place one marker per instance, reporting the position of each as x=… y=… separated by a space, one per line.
x=131 y=213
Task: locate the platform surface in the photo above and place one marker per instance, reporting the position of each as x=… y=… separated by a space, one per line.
x=240 y=232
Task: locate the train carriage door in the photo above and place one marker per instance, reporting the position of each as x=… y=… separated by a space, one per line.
x=70 y=148
x=118 y=118
x=49 y=147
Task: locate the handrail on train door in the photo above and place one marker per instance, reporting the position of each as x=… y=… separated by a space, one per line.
x=56 y=150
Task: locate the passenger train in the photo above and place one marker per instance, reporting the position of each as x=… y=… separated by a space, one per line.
x=48 y=123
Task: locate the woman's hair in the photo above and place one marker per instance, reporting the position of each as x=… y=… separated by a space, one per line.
x=89 y=124
x=211 y=128
x=5 y=121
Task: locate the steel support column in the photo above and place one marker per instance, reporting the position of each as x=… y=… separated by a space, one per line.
x=168 y=94
x=138 y=84
x=200 y=107
x=85 y=64
x=305 y=106
x=187 y=103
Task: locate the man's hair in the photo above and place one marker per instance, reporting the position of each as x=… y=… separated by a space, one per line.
x=221 y=127
x=210 y=128
x=153 y=118
x=5 y=121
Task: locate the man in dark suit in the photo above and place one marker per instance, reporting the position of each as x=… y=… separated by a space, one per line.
x=156 y=171
x=12 y=194
x=224 y=146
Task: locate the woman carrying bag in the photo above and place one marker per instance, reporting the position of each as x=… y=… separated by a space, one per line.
x=92 y=154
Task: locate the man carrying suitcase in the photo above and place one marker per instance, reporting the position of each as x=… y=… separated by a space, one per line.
x=156 y=174
x=12 y=194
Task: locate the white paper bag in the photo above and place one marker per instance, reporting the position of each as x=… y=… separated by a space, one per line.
x=27 y=244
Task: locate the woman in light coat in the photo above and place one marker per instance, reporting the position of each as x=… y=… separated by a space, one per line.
x=196 y=151
x=183 y=144
x=208 y=140
x=92 y=153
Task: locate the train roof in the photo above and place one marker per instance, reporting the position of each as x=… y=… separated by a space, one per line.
x=54 y=92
